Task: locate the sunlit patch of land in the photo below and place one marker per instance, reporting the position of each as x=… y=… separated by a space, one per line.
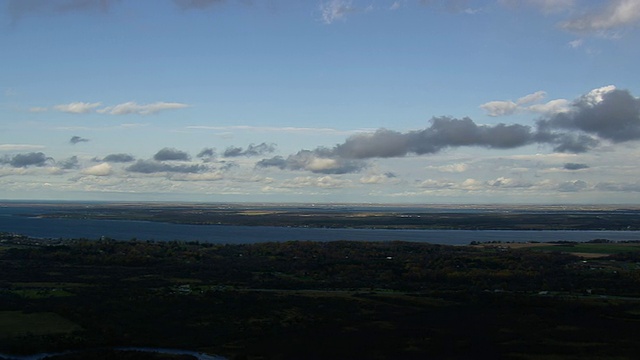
x=592 y=249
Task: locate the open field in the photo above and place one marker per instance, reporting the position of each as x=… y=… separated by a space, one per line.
x=17 y=323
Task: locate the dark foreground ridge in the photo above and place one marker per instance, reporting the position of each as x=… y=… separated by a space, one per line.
x=319 y=300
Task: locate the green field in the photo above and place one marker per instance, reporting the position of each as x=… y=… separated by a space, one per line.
x=592 y=248
x=18 y=323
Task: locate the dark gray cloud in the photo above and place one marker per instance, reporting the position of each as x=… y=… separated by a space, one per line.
x=276 y=161
x=25 y=160
x=232 y=151
x=251 y=150
x=77 y=139
x=575 y=166
x=567 y=142
x=228 y=165
x=168 y=154
x=444 y=132
x=614 y=117
x=150 y=167
x=20 y=8
x=207 y=153
x=196 y=4
x=70 y=163
x=119 y=158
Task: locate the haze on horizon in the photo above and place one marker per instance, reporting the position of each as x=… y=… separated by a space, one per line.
x=407 y=101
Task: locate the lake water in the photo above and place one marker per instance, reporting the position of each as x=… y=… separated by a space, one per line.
x=149 y=350
x=13 y=220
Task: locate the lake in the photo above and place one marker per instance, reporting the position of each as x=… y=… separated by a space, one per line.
x=23 y=220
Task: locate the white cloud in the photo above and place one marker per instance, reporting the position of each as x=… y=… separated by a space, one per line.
x=132 y=107
x=322 y=182
x=504 y=108
x=595 y=96
x=550 y=6
x=576 y=43
x=38 y=109
x=500 y=108
x=504 y=182
x=395 y=6
x=373 y=179
x=552 y=107
x=616 y=14
x=471 y=184
x=452 y=168
x=535 y=97
x=335 y=10
x=437 y=184
x=76 y=107
x=546 y=6
x=19 y=147
x=103 y=169
x=321 y=164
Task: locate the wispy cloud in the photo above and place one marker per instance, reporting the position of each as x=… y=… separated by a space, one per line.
x=612 y=15
x=20 y=8
x=251 y=150
x=526 y=103
x=196 y=4
x=127 y=108
x=334 y=10
x=141 y=109
x=19 y=147
x=321 y=182
x=283 y=129
x=546 y=6
x=77 y=107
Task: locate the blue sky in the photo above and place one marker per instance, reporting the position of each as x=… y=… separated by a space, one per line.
x=504 y=101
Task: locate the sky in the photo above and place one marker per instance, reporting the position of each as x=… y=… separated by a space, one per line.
x=321 y=101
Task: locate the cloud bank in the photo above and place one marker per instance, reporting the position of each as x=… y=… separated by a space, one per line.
x=605 y=114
